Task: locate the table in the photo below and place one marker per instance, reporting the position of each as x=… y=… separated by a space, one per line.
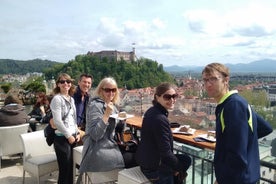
x=136 y=123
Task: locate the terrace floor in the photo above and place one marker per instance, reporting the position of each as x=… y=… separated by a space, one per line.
x=12 y=172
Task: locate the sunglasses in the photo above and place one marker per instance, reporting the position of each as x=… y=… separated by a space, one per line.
x=108 y=90
x=63 y=81
x=167 y=97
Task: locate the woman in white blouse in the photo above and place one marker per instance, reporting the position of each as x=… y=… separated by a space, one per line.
x=65 y=120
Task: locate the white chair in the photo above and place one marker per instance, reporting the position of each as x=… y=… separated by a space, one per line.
x=10 y=139
x=103 y=177
x=132 y=175
x=94 y=177
x=39 y=159
x=77 y=156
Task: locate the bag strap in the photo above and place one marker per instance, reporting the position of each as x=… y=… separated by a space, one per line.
x=65 y=116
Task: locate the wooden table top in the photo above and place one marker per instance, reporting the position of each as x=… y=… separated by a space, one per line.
x=136 y=122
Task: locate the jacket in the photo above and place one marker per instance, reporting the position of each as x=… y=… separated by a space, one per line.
x=80 y=106
x=60 y=108
x=13 y=114
x=155 y=150
x=100 y=151
x=236 y=158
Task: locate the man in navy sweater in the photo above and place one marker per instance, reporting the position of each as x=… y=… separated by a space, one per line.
x=238 y=128
x=81 y=97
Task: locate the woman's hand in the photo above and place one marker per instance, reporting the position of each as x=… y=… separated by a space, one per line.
x=216 y=182
x=78 y=137
x=108 y=111
x=42 y=109
x=71 y=139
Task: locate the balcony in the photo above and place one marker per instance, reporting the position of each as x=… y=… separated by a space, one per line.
x=202 y=168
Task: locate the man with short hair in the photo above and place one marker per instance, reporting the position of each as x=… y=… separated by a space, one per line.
x=238 y=128
x=81 y=97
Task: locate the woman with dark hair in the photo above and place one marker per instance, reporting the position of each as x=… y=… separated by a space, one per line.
x=65 y=120
x=39 y=109
x=155 y=151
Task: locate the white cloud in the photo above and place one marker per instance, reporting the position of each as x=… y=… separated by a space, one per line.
x=170 y=32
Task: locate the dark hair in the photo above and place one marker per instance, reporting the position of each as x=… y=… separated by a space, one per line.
x=86 y=76
x=44 y=100
x=161 y=89
x=12 y=99
x=56 y=90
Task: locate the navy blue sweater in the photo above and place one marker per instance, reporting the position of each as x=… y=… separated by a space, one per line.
x=237 y=151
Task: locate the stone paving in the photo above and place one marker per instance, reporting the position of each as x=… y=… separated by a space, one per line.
x=12 y=173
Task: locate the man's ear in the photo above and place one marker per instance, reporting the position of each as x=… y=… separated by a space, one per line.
x=226 y=79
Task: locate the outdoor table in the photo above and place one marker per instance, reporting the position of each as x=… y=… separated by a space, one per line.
x=136 y=124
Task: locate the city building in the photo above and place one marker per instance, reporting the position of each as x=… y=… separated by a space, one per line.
x=115 y=55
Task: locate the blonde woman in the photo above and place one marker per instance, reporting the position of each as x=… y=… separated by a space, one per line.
x=67 y=133
x=101 y=152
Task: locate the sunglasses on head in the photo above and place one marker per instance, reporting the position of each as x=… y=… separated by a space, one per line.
x=108 y=90
x=167 y=97
x=63 y=81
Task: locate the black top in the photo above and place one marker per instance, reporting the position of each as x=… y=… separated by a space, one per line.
x=155 y=151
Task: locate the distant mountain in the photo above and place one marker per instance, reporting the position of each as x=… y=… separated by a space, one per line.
x=10 y=66
x=260 y=66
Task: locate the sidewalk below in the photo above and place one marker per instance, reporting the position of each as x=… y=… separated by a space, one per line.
x=12 y=173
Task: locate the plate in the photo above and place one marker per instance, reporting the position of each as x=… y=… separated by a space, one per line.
x=190 y=131
x=205 y=136
x=115 y=116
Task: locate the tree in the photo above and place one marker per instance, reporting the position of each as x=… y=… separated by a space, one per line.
x=34 y=85
x=255 y=98
x=136 y=74
x=6 y=87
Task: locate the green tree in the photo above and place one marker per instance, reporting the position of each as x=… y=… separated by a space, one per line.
x=135 y=74
x=34 y=85
x=256 y=98
x=6 y=87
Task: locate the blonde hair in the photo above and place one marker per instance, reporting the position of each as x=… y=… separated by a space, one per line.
x=212 y=67
x=108 y=80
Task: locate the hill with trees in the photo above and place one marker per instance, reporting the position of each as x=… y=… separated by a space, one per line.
x=132 y=75
x=8 y=66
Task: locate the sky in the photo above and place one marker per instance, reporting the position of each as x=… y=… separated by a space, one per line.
x=170 y=32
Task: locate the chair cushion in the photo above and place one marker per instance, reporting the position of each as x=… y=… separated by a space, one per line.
x=42 y=159
x=131 y=176
x=41 y=164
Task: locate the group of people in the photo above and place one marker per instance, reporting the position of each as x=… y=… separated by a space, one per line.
x=80 y=117
x=100 y=151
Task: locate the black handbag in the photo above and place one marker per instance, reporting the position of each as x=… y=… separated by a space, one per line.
x=126 y=140
x=49 y=133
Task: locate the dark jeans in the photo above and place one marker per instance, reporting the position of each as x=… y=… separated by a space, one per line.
x=129 y=159
x=157 y=177
x=65 y=159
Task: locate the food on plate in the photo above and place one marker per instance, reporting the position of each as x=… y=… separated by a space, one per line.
x=184 y=128
x=211 y=135
x=122 y=114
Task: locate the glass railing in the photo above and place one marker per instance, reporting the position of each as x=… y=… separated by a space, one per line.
x=202 y=168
